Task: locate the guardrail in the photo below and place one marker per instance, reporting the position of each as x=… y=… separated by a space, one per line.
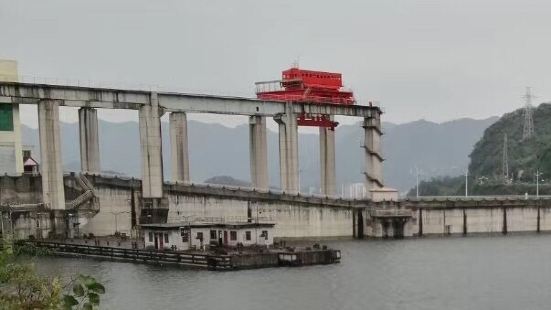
x=391 y=213
x=478 y=197
x=213 y=262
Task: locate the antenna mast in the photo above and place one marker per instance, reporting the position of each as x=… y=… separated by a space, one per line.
x=528 y=130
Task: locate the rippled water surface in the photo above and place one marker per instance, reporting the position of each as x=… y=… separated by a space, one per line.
x=512 y=272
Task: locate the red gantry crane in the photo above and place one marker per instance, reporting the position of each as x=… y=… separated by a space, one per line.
x=298 y=85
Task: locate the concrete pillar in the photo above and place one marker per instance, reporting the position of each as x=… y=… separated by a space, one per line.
x=373 y=157
x=288 y=150
x=89 y=140
x=327 y=161
x=151 y=145
x=51 y=167
x=179 y=147
x=258 y=150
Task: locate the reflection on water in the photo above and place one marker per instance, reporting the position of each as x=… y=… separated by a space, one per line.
x=512 y=272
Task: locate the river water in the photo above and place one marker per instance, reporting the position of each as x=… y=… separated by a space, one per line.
x=498 y=272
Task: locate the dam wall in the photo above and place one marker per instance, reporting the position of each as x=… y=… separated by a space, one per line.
x=458 y=217
x=296 y=216
x=119 y=208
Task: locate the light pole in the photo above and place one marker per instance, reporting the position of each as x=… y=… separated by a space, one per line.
x=467 y=182
x=538 y=174
x=299 y=172
x=417 y=182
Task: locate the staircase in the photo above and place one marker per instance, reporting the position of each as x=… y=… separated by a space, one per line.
x=88 y=196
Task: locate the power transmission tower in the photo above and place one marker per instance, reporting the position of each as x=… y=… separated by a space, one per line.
x=505 y=167
x=528 y=130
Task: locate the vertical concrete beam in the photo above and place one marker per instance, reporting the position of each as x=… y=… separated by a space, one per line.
x=258 y=150
x=89 y=140
x=288 y=150
x=19 y=168
x=51 y=167
x=327 y=161
x=373 y=157
x=151 y=145
x=179 y=147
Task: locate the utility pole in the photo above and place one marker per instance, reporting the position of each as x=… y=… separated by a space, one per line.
x=528 y=130
x=467 y=182
x=538 y=183
x=417 y=182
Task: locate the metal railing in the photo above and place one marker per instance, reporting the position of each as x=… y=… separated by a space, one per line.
x=391 y=213
x=478 y=197
x=79 y=82
x=217 y=262
x=227 y=219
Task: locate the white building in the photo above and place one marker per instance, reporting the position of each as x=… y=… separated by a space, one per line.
x=185 y=236
x=11 y=155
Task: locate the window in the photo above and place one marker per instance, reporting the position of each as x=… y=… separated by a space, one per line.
x=150 y=237
x=6 y=117
x=233 y=235
x=185 y=235
x=199 y=236
x=264 y=234
x=213 y=235
x=248 y=235
x=166 y=238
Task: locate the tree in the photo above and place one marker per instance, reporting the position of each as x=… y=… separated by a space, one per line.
x=22 y=288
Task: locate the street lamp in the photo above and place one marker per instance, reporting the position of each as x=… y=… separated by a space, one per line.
x=467 y=182
x=416 y=181
x=538 y=174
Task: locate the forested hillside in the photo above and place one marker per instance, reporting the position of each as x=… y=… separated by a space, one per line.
x=524 y=158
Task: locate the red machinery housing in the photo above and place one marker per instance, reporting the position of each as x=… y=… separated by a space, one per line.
x=297 y=85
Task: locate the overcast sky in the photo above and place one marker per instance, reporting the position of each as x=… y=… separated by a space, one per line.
x=437 y=60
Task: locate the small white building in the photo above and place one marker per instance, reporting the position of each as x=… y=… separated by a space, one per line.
x=185 y=236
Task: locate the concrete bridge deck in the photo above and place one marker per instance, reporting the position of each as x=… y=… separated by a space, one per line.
x=107 y=98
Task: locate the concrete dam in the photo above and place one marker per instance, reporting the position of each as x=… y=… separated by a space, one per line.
x=115 y=206
x=50 y=204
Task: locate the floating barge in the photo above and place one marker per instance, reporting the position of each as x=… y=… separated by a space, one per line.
x=233 y=261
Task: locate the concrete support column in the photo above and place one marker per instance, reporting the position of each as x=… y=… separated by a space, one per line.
x=89 y=140
x=373 y=157
x=19 y=168
x=327 y=161
x=151 y=145
x=288 y=150
x=258 y=150
x=51 y=167
x=179 y=147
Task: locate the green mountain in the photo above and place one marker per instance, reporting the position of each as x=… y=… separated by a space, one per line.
x=486 y=168
x=525 y=156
